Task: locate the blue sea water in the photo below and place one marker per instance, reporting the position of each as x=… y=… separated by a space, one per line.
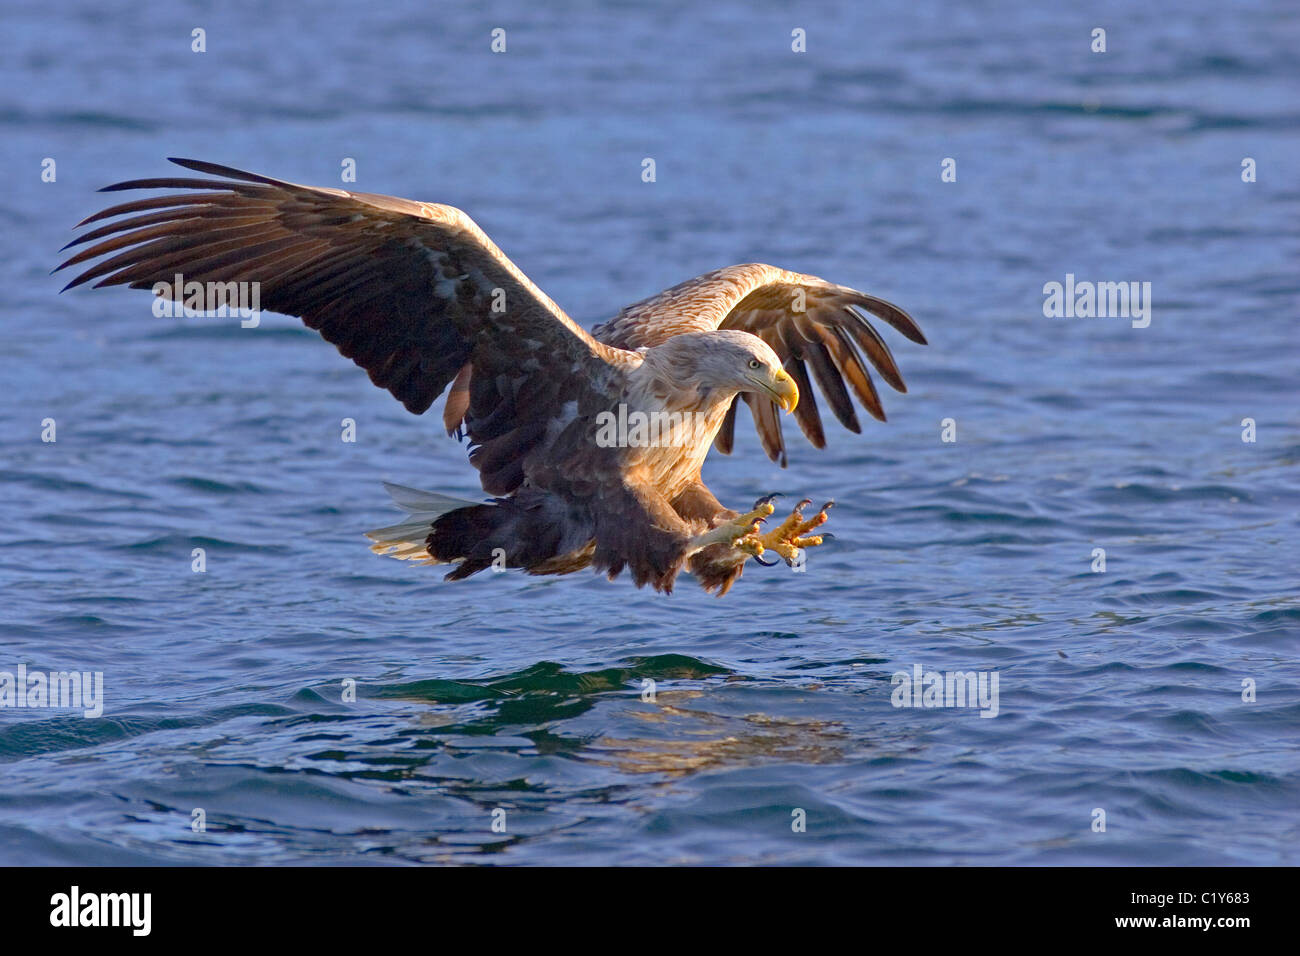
x=1120 y=691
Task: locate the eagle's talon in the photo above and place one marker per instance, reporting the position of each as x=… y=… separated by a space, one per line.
x=788 y=538
x=761 y=510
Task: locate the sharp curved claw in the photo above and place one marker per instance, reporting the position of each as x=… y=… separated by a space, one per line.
x=826 y=536
x=795 y=533
x=766 y=564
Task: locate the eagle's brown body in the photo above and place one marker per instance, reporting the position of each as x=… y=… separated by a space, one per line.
x=418 y=295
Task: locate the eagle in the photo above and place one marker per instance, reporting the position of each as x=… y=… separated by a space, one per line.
x=588 y=444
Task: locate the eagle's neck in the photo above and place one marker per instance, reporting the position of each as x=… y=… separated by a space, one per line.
x=660 y=389
x=673 y=461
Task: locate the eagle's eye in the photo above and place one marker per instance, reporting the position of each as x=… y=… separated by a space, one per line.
x=755 y=363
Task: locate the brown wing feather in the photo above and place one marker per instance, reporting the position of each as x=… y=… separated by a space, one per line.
x=830 y=337
x=727 y=433
x=405 y=289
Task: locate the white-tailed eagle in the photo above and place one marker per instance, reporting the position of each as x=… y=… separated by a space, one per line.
x=590 y=443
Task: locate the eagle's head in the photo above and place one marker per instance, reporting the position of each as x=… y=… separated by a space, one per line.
x=723 y=363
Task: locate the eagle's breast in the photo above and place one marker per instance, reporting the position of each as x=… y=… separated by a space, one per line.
x=670 y=428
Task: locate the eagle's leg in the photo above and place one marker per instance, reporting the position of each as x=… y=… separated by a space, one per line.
x=787 y=538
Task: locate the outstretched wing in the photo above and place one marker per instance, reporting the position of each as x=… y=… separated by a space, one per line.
x=808 y=322
x=412 y=292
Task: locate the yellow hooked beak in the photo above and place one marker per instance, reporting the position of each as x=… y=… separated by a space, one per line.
x=784 y=390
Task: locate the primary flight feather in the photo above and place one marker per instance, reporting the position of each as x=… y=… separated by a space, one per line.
x=417 y=295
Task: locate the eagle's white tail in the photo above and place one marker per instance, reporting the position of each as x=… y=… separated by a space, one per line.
x=406 y=540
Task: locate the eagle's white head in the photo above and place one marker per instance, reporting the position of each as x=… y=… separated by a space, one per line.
x=712 y=367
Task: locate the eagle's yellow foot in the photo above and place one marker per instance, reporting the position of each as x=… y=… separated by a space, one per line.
x=740 y=532
x=751 y=543
x=787 y=539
